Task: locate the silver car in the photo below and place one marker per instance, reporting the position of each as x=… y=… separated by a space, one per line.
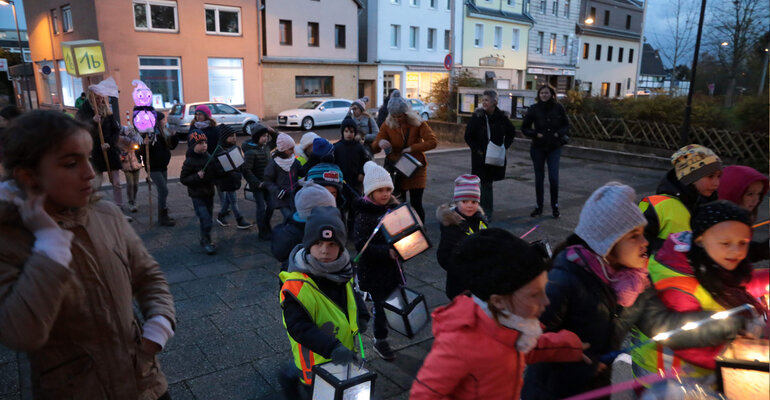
x=424 y=110
x=182 y=115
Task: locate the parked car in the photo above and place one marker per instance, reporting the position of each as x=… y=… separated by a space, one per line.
x=315 y=112
x=424 y=110
x=182 y=115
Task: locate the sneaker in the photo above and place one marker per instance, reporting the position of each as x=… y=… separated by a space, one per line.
x=243 y=223
x=556 y=212
x=208 y=247
x=221 y=219
x=536 y=212
x=382 y=348
x=133 y=207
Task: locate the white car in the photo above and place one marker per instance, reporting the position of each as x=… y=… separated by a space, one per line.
x=182 y=115
x=315 y=112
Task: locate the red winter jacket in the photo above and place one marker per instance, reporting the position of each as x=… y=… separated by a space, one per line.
x=475 y=358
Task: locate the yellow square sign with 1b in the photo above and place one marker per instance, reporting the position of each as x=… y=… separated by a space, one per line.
x=84 y=57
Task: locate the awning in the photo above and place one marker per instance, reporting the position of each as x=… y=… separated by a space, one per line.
x=489 y=75
x=420 y=68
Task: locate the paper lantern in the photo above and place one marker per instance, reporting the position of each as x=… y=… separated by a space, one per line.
x=406 y=311
x=231 y=159
x=402 y=229
x=407 y=165
x=342 y=382
x=144 y=114
x=742 y=369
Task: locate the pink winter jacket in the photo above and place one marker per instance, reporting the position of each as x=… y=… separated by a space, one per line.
x=475 y=358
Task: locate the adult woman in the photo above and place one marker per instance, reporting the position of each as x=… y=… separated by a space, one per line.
x=488 y=123
x=548 y=135
x=404 y=132
x=365 y=123
x=207 y=125
x=71 y=268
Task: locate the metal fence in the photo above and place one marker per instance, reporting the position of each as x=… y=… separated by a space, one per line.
x=743 y=147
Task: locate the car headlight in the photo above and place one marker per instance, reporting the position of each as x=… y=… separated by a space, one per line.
x=293 y=116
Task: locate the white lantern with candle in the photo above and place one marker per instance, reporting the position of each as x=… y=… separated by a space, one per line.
x=407 y=165
x=403 y=230
x=342 y=382
x=742 y=369
x=406 y=311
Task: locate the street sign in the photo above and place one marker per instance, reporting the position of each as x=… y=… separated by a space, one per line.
x=3 y=64
x=448 y=61
x=84 y=57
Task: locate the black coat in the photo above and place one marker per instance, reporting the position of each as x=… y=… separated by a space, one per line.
x=286 y=236
x=551 y=120
x=350 y=156
x=502 y=133
x=111 y=134
x=255 y=161
x=160 y=148
x=382 y=114
x=454 y=228
x=197 y=186
x=377 y=273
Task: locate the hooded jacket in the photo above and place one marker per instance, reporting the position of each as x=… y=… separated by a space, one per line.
x=77 y=322
x=377 y=273
x=454 y=228
x=502 y=134
x=457 y=367
x=733 y=184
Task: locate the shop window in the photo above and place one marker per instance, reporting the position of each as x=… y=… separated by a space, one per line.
x=155 y=15
x=313 y=86
x=226 y=80
x=71 y=87
x=163 y=75
x=222 y=20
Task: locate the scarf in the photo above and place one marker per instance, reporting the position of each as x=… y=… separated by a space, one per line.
x=202 y=124
x=529 y=328
x=626 y=283
x=284 y=163
x=339 y=270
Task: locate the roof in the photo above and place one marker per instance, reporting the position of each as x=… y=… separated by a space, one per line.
x=583 y=29
x=475 y=11
x=651 y=62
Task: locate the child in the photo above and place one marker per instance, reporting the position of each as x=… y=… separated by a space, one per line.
x=507 y=279
x=747 y=188
x=323 y=152
x=130 y=165
x=378 y=269
x=72 y=269
x=323 y=315
x=351 y=155
x=200 y=184
x=256 y=159
x=281 y=176
x=693 y=180
x=463 y=218
x=305 y=147
x=229 y=183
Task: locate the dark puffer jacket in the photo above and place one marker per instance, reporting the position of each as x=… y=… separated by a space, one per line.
x=111 y=134
x=454 y=228
x=197 y=186
x=550 y=119
x=276 y=179
x=350 y=156
x=286 y=236
x=160 y=148
x=502 y=133
x=254 y=163
x=229 y=181
x=377 y=273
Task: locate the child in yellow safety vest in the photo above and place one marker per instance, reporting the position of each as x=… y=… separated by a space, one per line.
x=323 y=315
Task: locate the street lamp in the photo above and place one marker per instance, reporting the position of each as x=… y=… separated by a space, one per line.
x=589 y=21
x=724 y=44
x=21 y=50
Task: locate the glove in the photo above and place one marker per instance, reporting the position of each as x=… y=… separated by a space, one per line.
x=342 y=355
x=281 y=194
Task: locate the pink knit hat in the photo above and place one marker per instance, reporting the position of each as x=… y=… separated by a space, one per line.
x=467 y=188
x=284 y=142
x=203 y=109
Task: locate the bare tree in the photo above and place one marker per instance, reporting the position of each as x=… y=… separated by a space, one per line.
x=677 y=41
x=734 y=29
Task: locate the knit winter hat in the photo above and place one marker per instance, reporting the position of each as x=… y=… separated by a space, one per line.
x=467 y=188
x=693 y=162
x=195 y=137
x=607 y=215
x=348 y=122
x=397 y=104
x=284 y=142
x=324 y=224
x=258 y=131
x=203 y=109
x=715 y=212
x=375 y=177
x=322 y=147
x=307 y=140
x=326 y=174
x=361 y=103
x=310 y=197
x=493 y=261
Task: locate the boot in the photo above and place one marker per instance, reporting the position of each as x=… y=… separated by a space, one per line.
x=164 y=219
x=207 y=245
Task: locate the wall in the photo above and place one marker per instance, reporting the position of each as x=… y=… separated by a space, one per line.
x=279 y=81
x=513 y=59
x=406 y=15
x=598 y=71
x=548 y=24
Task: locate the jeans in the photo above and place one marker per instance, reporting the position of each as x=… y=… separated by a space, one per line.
x=132 y=184
x=415 y=199
x=204 y=208
x=487 y=200
x=264 y=210
x=230 y=201
x=380 y=320
x=160 y=180
x=117 y=190
x=539 y=158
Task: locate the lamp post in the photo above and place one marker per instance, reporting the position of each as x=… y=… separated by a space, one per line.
x=684 y=137
x=21 y=49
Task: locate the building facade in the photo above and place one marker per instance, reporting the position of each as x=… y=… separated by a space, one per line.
x=610 y=47
x=655 y=79
x=185 y=51
x=552 y=55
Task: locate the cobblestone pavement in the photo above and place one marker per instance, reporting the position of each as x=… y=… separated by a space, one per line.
x=230 y=341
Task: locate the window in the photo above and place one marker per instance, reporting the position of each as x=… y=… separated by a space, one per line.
x=414 y=37
x=609 y=53
x=70 y=87
x=498 y=44
x=313 y=86
x=555 y=8
x=395 y=36
x=66 y=20
x=552 y=44
x=605 y=89
x=226 y=80
x=618 y=88
x=593 y=14
x=630 y=56
x=448 y=5
x=223 y=20
x=395 y=1
x=585 y=51
x=566 y=8
x=598 y=52
x=55 y=21
x=588 y=87
x=542 y=6
x=431 y=39
x=606 y=17
x=433 y=4
x=511 y=3
x=540 y=38
x=284 y=28
x=312 y=34
x=565 y=38
x=620 y=54
x=447 y=39
x=163 y=75
x=339 y=36
x=155 y=15
x=628 y=83
x=414 y=3
x=515 y=39
x=478 y=38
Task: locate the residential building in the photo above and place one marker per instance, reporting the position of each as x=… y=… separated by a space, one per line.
x=9 y=41
x=654 y=78
x=495 y=41
x=610 y=46
x=308 y=54
x=406 y=41
x=552 y=54
x=185 y=51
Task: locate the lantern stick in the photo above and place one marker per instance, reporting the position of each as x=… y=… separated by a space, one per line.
x=101 y=134
x=361 y=345
x=376 y=229
x=529 y=231
x=211 y=157
x=623 y=386
x=761 y=224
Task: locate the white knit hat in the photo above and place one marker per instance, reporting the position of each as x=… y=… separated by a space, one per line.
x=607 y=215
x=375 y=177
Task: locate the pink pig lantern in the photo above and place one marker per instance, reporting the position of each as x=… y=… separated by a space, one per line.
x=144 y=113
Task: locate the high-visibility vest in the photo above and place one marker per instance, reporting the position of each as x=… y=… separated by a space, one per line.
x=654 y=357
x=327 y=315
x=673 y=216
x=302 y=160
